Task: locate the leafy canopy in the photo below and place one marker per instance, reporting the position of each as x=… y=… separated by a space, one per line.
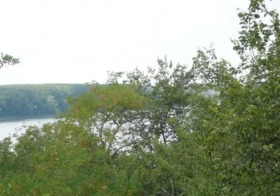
x=211 y=129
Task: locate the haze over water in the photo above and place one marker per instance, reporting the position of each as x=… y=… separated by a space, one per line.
x=8 y=128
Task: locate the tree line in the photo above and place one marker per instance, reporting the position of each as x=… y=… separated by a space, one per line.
x=212 y=129
x=23 y=101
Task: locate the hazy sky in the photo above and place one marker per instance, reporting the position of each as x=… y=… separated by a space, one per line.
x=78 y=41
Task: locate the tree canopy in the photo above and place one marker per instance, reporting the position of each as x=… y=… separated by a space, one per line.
x=208 y=129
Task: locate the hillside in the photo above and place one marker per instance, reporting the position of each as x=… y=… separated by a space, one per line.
x=36 y=100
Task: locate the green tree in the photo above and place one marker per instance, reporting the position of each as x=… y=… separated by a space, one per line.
x=8 y=60
x=109 y=111
x=239 y=125
x=62 y=159
x=212 y=129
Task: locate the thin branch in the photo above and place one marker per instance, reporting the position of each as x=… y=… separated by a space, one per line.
x=115 y=153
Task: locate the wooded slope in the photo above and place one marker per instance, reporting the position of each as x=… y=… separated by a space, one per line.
x=36 y=99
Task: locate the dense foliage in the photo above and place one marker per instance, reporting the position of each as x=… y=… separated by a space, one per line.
x=212 y=129
x=24 y=101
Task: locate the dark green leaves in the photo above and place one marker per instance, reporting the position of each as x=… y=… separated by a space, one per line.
x=8 y=60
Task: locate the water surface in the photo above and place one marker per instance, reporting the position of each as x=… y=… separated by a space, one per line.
x=8 y=128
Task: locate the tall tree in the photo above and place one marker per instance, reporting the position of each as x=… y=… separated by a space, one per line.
x=239 y=126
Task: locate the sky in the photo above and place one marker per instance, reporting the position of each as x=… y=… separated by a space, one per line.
x=79 y=41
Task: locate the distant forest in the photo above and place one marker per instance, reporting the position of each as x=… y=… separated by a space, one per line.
x=36 y=100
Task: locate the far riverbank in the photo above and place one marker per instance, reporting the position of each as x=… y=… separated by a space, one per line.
x=24 y=118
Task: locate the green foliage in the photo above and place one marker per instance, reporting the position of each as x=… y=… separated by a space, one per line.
x=60 y=159
x=6 y=59
x=239 y=129
x=212 y=129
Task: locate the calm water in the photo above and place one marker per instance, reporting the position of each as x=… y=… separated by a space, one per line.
x=10 y=127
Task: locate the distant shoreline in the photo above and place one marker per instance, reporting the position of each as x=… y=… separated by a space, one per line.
x=19 y=118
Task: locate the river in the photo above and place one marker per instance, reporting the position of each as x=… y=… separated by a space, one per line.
x=8 y=128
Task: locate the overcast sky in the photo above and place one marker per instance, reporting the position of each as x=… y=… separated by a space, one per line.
x=78 y=41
